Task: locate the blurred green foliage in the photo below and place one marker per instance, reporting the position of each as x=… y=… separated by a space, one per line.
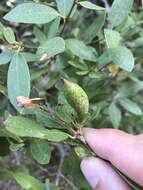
x=98 y=46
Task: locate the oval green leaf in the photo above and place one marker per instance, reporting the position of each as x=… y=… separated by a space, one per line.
x=27 y=182
x=31 y=13
x=64 y=6
x=92 y=6
x=6 y=56
x=131 y=106
x=9 y=35
x=40 y=151
x=52 y=47
x=79 y=49
x=115 y=115
x=122 y=57
x=119 y=11
x=112 y=37
x=55 y=135
x=18 y=81
x=24 y=127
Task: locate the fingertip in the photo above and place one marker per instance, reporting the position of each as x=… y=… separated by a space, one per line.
x=98 y=140
x=101 y=176
x=88 y=169
x=90 y=135
x=102 y=140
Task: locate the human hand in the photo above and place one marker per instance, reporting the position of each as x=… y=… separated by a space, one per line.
x=123 y=150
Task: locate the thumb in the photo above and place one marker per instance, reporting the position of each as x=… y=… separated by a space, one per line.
x=101 y=176
x=123 y=150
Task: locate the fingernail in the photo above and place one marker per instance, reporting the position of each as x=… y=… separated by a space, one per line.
x=89 y=171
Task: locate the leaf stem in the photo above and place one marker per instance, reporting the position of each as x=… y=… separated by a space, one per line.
x=67 y=19
x=59 y=120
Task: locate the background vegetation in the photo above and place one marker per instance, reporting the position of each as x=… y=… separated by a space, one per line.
x=98 y=46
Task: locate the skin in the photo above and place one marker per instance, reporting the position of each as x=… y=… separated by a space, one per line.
x=123 y=150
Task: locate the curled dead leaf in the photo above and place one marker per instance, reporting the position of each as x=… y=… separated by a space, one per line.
x=113 y=69
x=26 y=102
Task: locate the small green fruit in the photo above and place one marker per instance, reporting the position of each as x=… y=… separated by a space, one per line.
x=76 y=97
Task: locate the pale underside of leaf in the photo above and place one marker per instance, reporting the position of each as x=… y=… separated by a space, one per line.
x=18 y=79
x=33 y=13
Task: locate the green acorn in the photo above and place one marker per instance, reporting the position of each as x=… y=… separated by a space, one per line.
x=76 y=97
